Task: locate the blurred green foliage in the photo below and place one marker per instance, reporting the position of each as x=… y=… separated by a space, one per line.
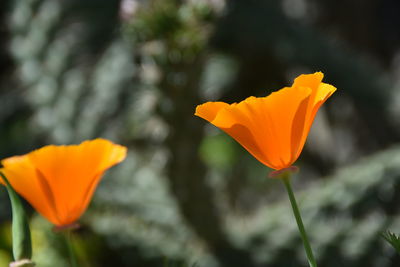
x=392 y=239
x=134 y=71
x=218 y=151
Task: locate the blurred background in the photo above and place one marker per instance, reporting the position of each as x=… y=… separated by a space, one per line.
x=133 y=71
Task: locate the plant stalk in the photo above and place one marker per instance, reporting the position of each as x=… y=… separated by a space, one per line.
x=296 y=212
x=68 y=241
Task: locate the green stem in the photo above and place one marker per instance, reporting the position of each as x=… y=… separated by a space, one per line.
x=21 y=234
x=71 y=254
x=296 y=212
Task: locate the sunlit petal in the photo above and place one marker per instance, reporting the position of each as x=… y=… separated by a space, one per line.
x=273 y=128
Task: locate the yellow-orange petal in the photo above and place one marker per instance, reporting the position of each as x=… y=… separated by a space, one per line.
x=287 y=107
x=273 y=128
x=209 y=110
x=263 y=125
x=318 y=97
x=21 y=174
x=228 y=122
x=311 y=81
x=71 y=173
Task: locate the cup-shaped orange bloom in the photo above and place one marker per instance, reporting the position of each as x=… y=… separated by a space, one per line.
x=59 y=181
x=273 y=128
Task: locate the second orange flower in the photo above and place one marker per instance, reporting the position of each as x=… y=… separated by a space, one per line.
x=59 y=181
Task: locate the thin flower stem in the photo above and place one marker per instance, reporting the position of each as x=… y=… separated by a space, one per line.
x=71 y=253
x=296 y=212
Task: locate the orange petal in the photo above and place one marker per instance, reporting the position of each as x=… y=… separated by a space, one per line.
x=283 y=109
x=209 y=110
x=323 y=92
x=274 y=128
x=233 y=121
x=311 y=81
x=21 y=173
x=73 y=172
x=319 y=96
x=262 y=125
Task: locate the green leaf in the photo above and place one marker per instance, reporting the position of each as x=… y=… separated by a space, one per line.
x=21 y=235
x=392 y=239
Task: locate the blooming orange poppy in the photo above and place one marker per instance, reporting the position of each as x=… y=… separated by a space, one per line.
x=274 y=128
x=59 y=181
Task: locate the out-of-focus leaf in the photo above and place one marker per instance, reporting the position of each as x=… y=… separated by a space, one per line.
x=21 y=234
x=392 y=239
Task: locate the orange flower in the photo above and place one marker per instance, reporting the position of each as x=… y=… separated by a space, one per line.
x=59 y=181
x=273 y=128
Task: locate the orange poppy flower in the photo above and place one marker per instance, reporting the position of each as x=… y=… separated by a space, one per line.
x=273 y=128
x=59 y=181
